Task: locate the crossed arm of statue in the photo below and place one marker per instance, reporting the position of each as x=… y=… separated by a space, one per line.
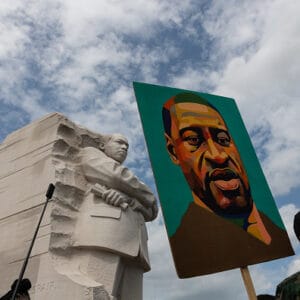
x=118 y=185
x=115 y=198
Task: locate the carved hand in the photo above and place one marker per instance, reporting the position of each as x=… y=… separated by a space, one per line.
x=113 y=197
x=149 y=213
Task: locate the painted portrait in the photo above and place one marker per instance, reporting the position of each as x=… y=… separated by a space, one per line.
x=218 y=209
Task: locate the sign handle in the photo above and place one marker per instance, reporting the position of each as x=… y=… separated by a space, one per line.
x=248 y=283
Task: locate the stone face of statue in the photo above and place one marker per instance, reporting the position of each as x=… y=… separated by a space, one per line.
x=116 y=148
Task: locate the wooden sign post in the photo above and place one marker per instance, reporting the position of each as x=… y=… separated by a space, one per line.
x=248 y=283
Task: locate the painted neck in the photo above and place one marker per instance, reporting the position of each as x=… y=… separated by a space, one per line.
x=254 y=224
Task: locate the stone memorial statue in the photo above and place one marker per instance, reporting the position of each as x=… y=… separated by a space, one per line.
x=110 y=237
x=94 y=244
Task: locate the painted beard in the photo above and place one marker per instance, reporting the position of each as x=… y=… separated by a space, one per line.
x=225 y=193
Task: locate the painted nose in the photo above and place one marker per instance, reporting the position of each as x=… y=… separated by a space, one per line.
x=215 y=153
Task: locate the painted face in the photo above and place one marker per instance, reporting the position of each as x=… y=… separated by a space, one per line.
x=116 y=148
x=201 y=144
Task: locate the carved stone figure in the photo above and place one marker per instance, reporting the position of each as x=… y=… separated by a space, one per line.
x=111 y=225
x=93 y=241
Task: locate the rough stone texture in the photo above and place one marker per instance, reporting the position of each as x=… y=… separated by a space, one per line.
x=43 y=152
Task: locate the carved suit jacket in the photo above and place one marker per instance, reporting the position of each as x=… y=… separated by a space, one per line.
x=105 y=226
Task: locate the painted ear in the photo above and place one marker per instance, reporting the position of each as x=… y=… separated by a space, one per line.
x=171 y=149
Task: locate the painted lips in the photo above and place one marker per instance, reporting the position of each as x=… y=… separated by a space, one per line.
x=227 y=190
x=225 y=179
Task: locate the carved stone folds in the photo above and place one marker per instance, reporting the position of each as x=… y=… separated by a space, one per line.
x=65 y=262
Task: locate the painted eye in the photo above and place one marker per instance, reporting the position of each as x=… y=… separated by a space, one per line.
x=193 y=140
x=223 y=139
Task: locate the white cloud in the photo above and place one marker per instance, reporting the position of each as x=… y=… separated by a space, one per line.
x=264 y=85
x=294 y=267
x=287 y=213
x=11 y=36
x=192 y=79
x=83 y=18
x=263 y=281
x=80 y=50
x=236 y=23
x=77 y=58
x=80 y=57
x=255 y=42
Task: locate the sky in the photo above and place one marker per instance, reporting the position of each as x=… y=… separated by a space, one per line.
x=80 y=58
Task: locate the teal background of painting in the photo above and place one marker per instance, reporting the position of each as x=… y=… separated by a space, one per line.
x=174 y=193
